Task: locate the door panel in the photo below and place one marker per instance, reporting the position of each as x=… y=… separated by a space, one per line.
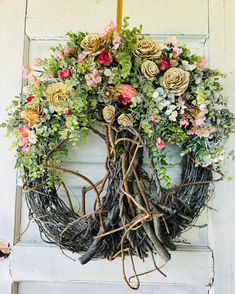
x=79 y=288
x=41 y=268
x=89 y=157
x=45 y=30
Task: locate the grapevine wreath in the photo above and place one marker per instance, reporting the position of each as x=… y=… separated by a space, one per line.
x=139 y=96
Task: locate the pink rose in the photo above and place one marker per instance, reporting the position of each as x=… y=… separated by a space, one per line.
x=68 y=51
x=127 y=92
x=26 y=71
x=201 y=63
x=93 y=78
x=64 y=74
x=164 y=63
x=160 y=144
x=81 y=57
x=177 y=51
x=105 y=57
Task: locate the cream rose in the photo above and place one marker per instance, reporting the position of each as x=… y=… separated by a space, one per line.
x=176 y=80
x=57 y=96
x=108 y=113
x=149 y=69
x=91 y=43
x=125 y=120
x=148 y=48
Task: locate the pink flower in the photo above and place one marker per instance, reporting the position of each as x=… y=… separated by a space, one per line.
x=37 y=61
x=64 y=74
x=26 y=71
x=127 y=92
x=181 y=100
x=164 y=63
x=160 y=144
x=201 y=131
x=59 y=55
x=184 y=122
x=177 y=51
x=24 y=133
x=27 y=137
x=201 y=117
x=193 y=131
x=111 y=26
x=68 y=51
x=29 y=98
x=93 y=78
x=116 y=40
x=201 y=63
x=81 y=57
x=105 y=58
x=199 y=121
x=155 y=119
x=34 y=80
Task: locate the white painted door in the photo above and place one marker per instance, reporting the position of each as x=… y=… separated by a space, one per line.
x=27 y=30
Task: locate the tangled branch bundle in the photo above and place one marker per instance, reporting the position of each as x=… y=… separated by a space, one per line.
x=138 y=95
x=135 y=217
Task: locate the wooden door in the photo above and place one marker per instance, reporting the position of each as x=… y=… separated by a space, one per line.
x=28 y=29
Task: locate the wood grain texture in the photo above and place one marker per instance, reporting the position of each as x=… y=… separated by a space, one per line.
x=46 y=263
x=222 y=240
x=104 y=288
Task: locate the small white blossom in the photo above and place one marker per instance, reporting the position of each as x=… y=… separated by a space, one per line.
x=32 y=138
x=187 y=66
x=173 y=115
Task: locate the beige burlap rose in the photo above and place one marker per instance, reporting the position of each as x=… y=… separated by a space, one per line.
x=125 y=120
x=149 y=69
x=108 y=113
x=176 y=80
x=57 y=96
x=91 y=43
x=32 y=113
x=148 y=48
x=109 y=95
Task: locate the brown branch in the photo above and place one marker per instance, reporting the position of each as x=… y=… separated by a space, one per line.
x=68 y=196
x=64 y=170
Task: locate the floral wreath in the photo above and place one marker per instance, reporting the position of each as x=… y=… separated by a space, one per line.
x=139 y=96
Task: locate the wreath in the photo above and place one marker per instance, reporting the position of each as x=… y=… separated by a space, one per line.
x=140 y=96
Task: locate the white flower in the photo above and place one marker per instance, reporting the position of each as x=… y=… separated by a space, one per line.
x=172 y=41
x=107 y=72
x=164 y=104
x=170 y=109
x=155 y=94
x=160 y=90
x=32 y=138
x=187 y=66
x=135 y=101
x=173 y=115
